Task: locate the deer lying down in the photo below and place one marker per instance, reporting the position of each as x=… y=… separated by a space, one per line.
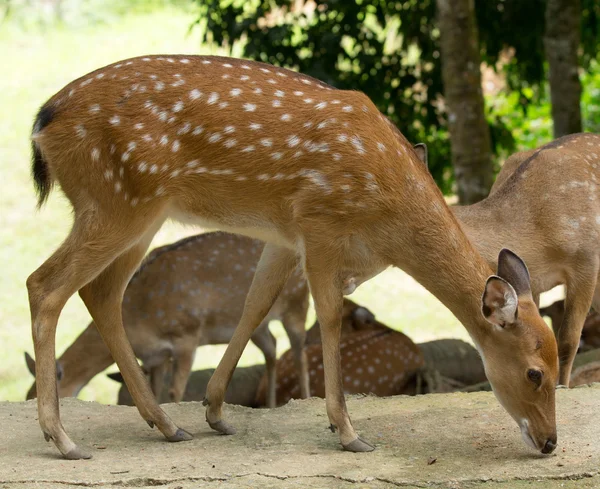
x=319 y=174
x=188 y=294
x=545 y=205
x=375 y=360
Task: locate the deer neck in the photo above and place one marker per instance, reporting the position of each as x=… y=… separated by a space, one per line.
x=447 y=265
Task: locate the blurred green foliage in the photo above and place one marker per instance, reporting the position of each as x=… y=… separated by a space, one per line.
x=33 y=14
x=390 y=50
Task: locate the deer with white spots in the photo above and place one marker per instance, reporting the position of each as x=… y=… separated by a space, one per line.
x=545 y=205
x=319 y=174
x=375 y=360
x=188 y=294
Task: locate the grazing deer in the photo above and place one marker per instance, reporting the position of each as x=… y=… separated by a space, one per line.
x=319 y=174
x=545 y=206
x=188 y=294
x=375 y=360
x=244 y=382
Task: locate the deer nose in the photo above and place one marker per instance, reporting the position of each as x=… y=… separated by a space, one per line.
x=550 y=445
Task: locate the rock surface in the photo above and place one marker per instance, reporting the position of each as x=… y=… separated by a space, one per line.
x=438 y=440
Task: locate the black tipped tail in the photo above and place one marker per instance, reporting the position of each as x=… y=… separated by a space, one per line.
x=41 y=175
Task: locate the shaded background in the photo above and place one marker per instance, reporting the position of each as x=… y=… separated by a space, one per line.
x=472 y=79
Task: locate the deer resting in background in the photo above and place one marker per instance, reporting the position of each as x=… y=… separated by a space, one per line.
x=545 y=205
x=188 y=294
x=375 y=360
x=319 y=174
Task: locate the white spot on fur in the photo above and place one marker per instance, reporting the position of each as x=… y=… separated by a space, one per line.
x=80 y=131
x=178 y=106
x=266 y=142
x=229 y=129
x=197 y=130
x=214 y=137
x=249 y=149
x=249 y=107
x=212 y=98
x=95 y=154
x=347 y=108
x=234 y=92
x=195 y=94
x=176 y=146
x=158 y=86
x=115 y=120
x=255 y=126
x=94 y=108
x=286 y=117
x=293 y=141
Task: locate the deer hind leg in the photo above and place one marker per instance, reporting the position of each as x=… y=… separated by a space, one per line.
x=265 y=341
x=326 y=289
x=103 y=298
x=273 y=269
x=578 y=300
x=295 y=327
x=93 y=243
x=183 y=359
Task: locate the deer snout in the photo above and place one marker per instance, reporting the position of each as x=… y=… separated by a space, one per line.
x=544 y=444
x=550 y=445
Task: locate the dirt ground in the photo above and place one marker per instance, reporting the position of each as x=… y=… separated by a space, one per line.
x=440 y=441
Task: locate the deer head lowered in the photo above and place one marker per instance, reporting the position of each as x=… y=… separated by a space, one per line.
x=319 y=174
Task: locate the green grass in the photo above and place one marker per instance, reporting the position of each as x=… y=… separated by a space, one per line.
x=36 y=64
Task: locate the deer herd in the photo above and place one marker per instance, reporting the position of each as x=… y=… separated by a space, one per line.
x=313 y=189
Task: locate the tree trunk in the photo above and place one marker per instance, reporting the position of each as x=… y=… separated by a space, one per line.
x=469 y=131
x=563 y=36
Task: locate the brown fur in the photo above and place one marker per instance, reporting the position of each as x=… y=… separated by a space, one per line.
x=375 y=360
x=188 y=294
x=346 y=199
x=545 y=206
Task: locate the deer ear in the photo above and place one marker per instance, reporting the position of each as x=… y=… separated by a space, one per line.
x=30 y=363
x=363 y=316
x=421 y=150
x=499 y=303
x=117 y=377
x=512 y=269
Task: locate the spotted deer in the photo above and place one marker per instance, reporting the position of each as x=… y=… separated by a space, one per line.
x=545 y=205
x=375 y=360
x=319 y=174
x=188 y=294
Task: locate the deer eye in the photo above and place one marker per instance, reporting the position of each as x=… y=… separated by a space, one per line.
x=535 y=376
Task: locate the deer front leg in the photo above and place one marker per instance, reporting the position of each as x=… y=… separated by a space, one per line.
x=326 y=290
x=267 y=344
x=578 y=301
x=273 y=269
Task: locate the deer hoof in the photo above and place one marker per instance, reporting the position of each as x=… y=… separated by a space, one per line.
x=222 y=427
x=359 y=445
x=47 y=437
x=180 y=435
x=150 y=423
x=77 y=454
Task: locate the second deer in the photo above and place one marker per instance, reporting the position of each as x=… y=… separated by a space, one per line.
x=545 y=205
